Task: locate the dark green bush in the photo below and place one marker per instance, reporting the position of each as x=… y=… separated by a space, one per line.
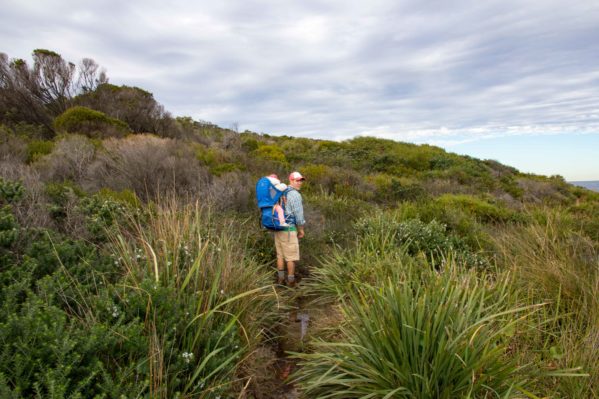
x=8 y=227
x=431 y=239
x=135 y=107
x=63 y=196
x=10 y=191
x=249 y=144
x=101 y=214
x=90 y=123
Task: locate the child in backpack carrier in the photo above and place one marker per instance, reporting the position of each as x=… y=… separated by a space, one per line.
x=277 y=208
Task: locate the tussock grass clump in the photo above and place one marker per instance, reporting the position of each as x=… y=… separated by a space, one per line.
x=206 y=303
x=442 y=334
x=554 y=263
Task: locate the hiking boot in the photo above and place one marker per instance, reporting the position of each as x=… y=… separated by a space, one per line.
x=291 y=283
x=281 y=281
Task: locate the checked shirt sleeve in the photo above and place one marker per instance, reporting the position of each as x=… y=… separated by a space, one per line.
x=295 y=207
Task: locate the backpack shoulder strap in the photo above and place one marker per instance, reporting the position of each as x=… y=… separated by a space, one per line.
x=283 y=198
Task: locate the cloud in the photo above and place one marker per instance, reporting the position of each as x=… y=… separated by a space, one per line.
x=413 y=71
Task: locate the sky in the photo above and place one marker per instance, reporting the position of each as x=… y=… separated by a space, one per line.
x=513 y=81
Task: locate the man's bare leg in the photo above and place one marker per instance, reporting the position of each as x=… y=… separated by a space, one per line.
x=291 y=273
x=280 y=271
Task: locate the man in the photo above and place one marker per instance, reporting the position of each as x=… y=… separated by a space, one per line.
x=287 y=241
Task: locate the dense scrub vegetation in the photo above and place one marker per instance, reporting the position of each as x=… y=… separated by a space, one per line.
x=132 y=265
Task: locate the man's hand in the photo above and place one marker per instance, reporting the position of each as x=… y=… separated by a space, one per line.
x=300 y=232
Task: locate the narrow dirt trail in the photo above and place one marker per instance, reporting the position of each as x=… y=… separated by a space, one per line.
x=293 y=333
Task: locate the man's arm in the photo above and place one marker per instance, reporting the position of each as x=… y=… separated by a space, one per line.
x=294 y=201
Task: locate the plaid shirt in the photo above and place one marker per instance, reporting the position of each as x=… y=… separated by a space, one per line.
x=294 y=206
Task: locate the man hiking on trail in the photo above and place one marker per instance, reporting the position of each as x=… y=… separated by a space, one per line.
x=287 y=240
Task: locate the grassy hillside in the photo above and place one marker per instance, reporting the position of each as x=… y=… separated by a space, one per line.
x=132 y=263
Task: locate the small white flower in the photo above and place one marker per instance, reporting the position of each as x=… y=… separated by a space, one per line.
x=187 y=356
x=222 y=292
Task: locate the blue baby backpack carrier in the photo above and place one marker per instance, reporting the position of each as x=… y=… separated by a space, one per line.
x=268 y=196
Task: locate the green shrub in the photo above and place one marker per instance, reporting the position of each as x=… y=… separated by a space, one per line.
x=510 y=186
x=37 y=149
x=457 y=221
x=334 y=180
x=482 y=210
x=50 y=352
x=32 y=131
x=125 y=196
x=10 y=191
x=62 y=197
x=442 y=162
x=270 y=152
x=9 y=228
x=226 y=167
x=101 y=215
x=207 y=156
x=249 y=144
x=89 y=122
x=53 y=342
x=392 y=189
x=416 y=237
x=317 y=175
x=472 y=172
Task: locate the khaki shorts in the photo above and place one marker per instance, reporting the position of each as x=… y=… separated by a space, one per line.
x=287 y=245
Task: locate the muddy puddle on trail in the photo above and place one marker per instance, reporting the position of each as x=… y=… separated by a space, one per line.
x=294 y=331
x=301 y=316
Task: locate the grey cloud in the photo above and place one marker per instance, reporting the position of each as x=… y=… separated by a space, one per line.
x=408 y=70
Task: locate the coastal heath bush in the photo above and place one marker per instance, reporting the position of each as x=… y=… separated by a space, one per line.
x=38 y=148
x=431 y=239
x=70 y=159
x=270 y=152
x=89 y=122
x=149 y=166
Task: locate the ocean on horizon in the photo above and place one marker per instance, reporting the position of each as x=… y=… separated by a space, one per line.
x=591 y=184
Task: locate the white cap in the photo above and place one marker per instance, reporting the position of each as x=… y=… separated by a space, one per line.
x=296 y=176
